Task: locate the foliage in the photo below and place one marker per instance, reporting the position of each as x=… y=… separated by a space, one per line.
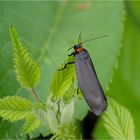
x=63 y=79
x=125 y=86
x=15 y=108
x=67 y=113
x=59 y=113
x=118 y=121
x=46 y=32
x=31 y=123
x=27 y=69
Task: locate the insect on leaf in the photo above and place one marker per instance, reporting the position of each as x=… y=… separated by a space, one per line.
x=13 y=108
x=27 y=69
x=62 y=79
x=118 y=121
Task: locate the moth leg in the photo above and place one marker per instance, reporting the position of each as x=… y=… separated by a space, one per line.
x=66 y=65
x=71 y=54
x=79 y=93
x=78 y=90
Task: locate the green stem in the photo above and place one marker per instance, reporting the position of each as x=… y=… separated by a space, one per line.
x=58 y=112
x=34 y=93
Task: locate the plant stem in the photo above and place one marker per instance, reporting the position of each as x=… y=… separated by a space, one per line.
x=58 y=112
x=35 y=95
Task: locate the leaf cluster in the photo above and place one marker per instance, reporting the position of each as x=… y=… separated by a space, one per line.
x=58 y=112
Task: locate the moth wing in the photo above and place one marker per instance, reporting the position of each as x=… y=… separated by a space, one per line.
x=90 y=85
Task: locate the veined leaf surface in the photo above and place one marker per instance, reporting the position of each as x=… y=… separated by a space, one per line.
x=118 y=121
x=15 y=108
x=26 y=68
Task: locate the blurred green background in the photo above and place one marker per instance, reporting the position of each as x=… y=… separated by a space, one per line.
x=49 y=28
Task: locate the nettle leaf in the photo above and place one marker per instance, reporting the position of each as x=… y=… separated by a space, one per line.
x=31 y=124
x=62 y=79
x=69 y=93
x=66 y=132
x=27 y=69
x=67 y=112
x=40 y=111
x=13 y=108
x=118 y=121
x=52 y=120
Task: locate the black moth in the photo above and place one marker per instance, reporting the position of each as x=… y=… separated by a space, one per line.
x=87 y=78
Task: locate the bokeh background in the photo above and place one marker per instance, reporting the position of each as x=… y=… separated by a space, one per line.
x=48 y=29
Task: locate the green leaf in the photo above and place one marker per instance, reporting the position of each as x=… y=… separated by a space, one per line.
x=79 y=38
x=81 y=109
x=52 y=120
x=27 y=69
x=31 y=124
x=40 y=112
x=62 y=79
x=15 y=108
x=69 y=93
x=66 y=132
x=118 y=121
x=67 y=112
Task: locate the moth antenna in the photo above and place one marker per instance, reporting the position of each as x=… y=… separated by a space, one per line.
x=94 y=38
x=79 y=39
